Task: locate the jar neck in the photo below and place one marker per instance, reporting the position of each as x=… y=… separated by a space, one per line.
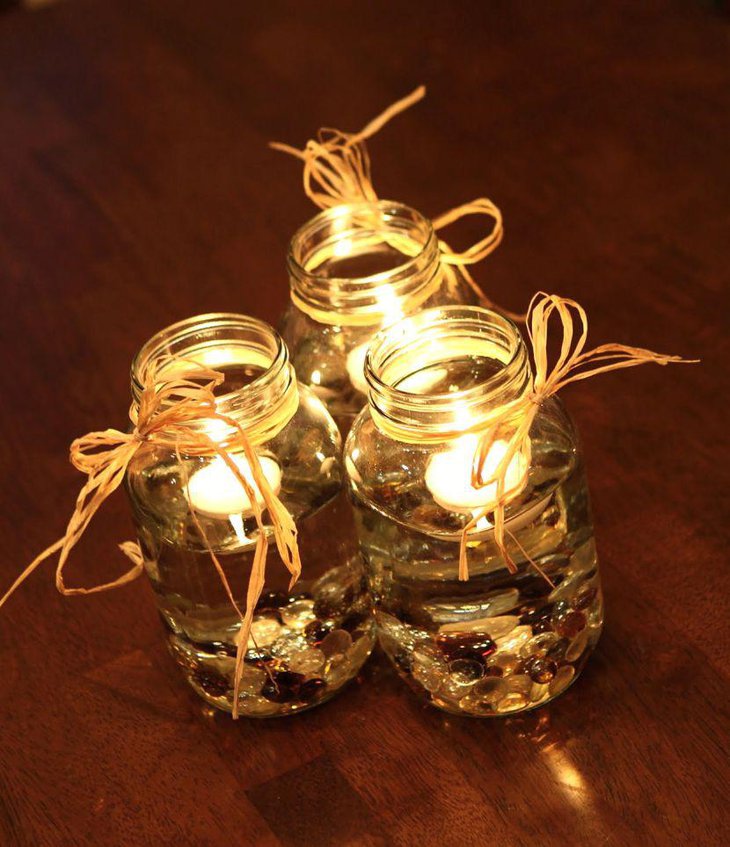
x=259 y=391
x=444 y=372
x=363 y=263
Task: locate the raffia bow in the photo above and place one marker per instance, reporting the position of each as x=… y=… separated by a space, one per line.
x=337 y=170
x=516 y=418
x=166 y=410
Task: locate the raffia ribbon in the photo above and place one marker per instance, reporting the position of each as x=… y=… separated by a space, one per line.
x=516 y=417
x=337 y=170
x=166 y=410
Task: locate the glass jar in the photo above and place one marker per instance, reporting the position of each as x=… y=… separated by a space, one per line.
x=499 y=642
x=308 y=641
x=354 y=269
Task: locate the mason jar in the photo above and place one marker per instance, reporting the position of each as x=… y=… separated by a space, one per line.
x=498 y=642
x=306 y=642
x=354 y=269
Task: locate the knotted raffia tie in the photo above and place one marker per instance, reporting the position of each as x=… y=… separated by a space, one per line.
x=337 y=171
x=513 y=420
x=167 y=412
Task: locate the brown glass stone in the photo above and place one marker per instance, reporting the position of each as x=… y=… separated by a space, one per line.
x=541 y=669
x=569 y=624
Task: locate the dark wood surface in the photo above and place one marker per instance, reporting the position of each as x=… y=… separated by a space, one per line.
x=136 y=189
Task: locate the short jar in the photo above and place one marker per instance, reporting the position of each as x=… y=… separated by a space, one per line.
x=499 y=642
x=354 y=269
x=307 y=641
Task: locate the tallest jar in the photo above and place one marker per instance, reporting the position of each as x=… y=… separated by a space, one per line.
x=354 y=269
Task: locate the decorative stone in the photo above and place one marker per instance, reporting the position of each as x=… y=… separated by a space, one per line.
x=475 y=646
x=562 y=680
x=493 y=628
x=507 y=663
x=466 y=671
x=312 y=689
x=357 y=654
x=257 y=657
x=252 y=680
x=539 y=644
x=557 y=651
x=541 y=669
x=264 y=631
x=569 y=624
x=317 y=630
x=519 y=683
x=577 y=647
x=539 y=692
x=307 y=662
x=519 y=636
x=282 y=686
x=512 y=702
x=298 y=614
x=585 y=596
x=338 y=641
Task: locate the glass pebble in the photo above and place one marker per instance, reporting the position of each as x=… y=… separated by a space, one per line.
x=264 y=631
x=360 y=650
x=493 y=628
x=584 y=558
x=512 y=702
x=585 y=596
x=317 y=630
x=211 y=682
x=290 y=642
x=252 y=680
x=514 y=641
x=282 y=686
x=307 y=662
x=577 y=647
x=428 y=676
x=570 y=623
x=540 y=669
x=466 y=671
x=474 y=646
x=517 y=683
x=561 y=680
x=539 y=691
x=539 y=644
x=298 y=614
x=507 y=663
x=557 y=651
x=311 y=689
x=338 y=641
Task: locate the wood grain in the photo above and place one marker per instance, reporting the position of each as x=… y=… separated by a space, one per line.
x=136 y=189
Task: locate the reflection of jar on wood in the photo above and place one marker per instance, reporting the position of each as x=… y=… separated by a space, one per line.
x=306 y=641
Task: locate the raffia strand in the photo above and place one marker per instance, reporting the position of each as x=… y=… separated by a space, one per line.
x=337 y=170
x=165 y=411
x=573 y=364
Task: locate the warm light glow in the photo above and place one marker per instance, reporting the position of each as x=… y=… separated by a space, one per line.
x=449 y=476
x=342 y=248
x=316 y=377
x=215 y=490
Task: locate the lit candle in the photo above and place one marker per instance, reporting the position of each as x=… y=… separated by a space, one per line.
x=216 y=491
x=449 y=477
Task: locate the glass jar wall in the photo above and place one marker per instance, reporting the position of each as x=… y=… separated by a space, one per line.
x=308 y=641
x=354 y=269
x=499 y=642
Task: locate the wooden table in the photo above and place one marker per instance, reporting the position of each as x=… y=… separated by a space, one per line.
x=136 y=189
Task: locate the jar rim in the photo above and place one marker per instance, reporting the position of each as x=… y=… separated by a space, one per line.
x=354 y=299
x=422 y=340
x=204 y=338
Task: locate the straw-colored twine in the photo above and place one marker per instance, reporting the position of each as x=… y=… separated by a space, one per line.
x=517 y=416
x=167 y=409
x=337 y=171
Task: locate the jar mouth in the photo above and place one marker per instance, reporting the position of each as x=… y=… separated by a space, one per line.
x=363 y=262
x=224 y=341
x=410 y=367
